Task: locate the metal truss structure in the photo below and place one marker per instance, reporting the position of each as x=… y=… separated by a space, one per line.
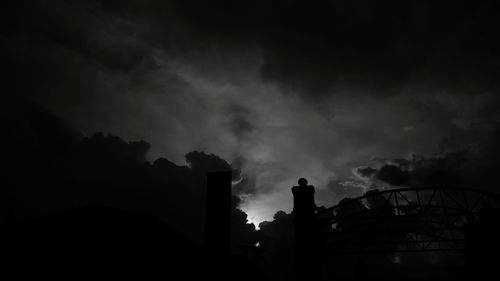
x=404 y=220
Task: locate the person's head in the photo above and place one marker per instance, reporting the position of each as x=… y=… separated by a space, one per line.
x=302 y=182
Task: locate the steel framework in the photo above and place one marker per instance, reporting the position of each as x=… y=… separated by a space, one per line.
x=403 y=220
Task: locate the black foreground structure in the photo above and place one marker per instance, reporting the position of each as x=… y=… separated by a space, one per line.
x=218 y=220
x=96 y=241
x=305 y=229
x=440 y=219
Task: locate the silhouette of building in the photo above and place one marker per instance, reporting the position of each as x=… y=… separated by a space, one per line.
x=304 y=212
x=482 y=245
x=218 y=219
x=97 y=242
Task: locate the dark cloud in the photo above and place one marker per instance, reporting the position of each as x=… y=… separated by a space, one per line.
x=50 y=168
x=366 y=172
x=201 y=162
x=114 y=148
x=311 y=47
x=393 y=175
x=466 y=160
x=390 y=77
x=201 y=75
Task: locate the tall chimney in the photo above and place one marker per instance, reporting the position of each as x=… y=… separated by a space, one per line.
x=218 y=215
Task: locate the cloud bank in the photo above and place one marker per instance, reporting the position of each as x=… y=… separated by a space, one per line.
x=281 y=89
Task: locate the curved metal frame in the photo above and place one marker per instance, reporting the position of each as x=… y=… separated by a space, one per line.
x=427 y=219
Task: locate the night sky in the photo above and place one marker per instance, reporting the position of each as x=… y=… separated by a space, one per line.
x=353 y=95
